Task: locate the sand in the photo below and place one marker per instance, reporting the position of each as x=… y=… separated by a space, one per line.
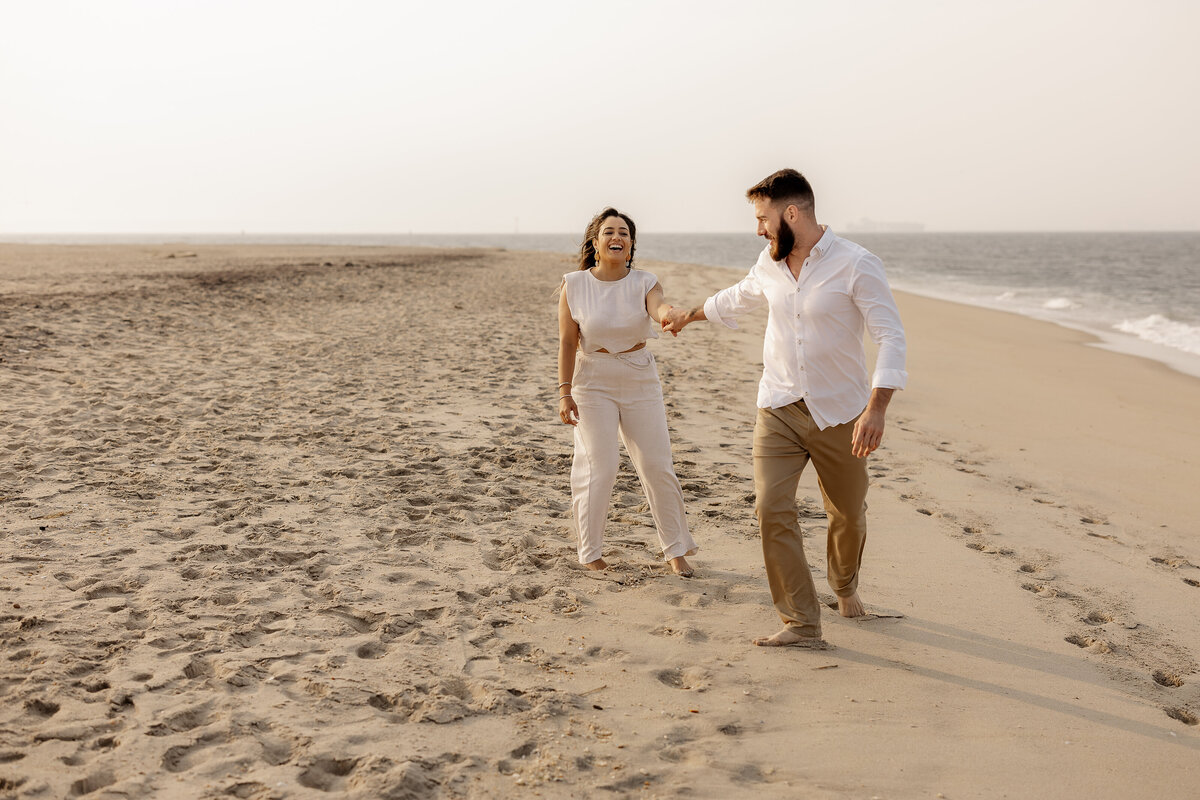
x=284 y=522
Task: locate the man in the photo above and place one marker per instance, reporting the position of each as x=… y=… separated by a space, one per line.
x=814 y=399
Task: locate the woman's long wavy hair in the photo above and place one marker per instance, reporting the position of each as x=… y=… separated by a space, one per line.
x=587 y=249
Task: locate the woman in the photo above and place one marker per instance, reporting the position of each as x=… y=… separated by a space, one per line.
x=609 y=386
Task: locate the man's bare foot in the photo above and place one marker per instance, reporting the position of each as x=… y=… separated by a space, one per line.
x=597 y=565
x=851 y=606
x=789 y=638
x=681 y=567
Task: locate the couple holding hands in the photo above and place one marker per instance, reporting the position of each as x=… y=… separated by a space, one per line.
x=815 y=400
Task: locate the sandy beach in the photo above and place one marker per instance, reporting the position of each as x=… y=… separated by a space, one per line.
x=290 y=522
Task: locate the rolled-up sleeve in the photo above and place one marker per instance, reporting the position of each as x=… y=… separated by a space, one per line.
x=728 y=304
x=869 y=288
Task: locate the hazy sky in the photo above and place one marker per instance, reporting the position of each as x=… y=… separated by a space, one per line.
x=428 y=116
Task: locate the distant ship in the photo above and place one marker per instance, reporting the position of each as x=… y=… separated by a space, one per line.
x=866 y=225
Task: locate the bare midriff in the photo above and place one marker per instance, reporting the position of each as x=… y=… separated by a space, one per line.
x=638 y=346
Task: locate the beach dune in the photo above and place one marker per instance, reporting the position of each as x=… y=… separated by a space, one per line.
x=286 y=522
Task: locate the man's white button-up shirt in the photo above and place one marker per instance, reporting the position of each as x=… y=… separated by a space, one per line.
x=813 y=348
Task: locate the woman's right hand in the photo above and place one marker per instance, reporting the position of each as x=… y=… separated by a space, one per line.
x=568 y=412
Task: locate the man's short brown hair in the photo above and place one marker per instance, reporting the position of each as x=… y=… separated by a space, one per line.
x=785 y=186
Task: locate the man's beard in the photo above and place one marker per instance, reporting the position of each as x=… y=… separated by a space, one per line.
x=785 y=240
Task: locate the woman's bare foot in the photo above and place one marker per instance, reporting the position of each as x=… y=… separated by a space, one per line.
x=789 y=638
x=597 y=565
x=681 y=567
x=851 y=606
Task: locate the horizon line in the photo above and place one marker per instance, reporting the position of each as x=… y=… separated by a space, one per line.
x=243 y=234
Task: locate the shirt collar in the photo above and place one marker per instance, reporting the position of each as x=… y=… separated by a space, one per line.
x=825 y=242
x=822 y=246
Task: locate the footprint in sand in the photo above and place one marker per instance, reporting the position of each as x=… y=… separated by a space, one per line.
x=986 y=548
x=276 y=749
x=1089 y=643
x=111 y=590
x=964 y=464
x=246 y=789
x=43 y=709
x=181 y=722
x=519 y=650
x=528 y=592
x=1173 y=563
x=1183 y=715
x=672 y=755
x=1168 y=679
x=92 y=783
x=670 y=677
x=371 y=650
x=525 y=750
x=693 y=600
x=692 y=678
x=482 y=665
x=1045 y=590
x=326 y=773
x=360 y=622
x=630 y=785
x=686 y=632
x=196 y=668
x=181 y=758
x=605 y=653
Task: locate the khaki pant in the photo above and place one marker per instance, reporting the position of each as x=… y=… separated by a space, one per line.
x=785 y=439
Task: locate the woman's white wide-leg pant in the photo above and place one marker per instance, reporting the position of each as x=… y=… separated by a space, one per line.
x=620 y=395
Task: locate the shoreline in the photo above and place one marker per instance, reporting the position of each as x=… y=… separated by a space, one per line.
x=1114 y=341
x=1105 y=331
x=277 y=521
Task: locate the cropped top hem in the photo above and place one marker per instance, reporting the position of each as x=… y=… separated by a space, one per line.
x=611 y=315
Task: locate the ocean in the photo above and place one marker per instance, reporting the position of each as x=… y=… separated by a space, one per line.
x=1138 y=292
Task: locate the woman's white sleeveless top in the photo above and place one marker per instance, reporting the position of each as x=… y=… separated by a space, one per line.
x=611 y=314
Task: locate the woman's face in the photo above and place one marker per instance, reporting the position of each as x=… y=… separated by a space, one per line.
x=614 y=242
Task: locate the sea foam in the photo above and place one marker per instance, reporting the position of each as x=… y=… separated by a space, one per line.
x=1060 y=304
x=1161 y=330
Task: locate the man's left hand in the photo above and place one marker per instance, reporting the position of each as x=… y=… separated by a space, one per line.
x=674 y=320
x=868 y=433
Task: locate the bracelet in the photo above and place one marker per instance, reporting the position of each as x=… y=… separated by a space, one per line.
x=564 y=383
x=561 y=396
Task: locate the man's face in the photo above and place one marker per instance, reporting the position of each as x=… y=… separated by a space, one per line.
x=774 y=228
